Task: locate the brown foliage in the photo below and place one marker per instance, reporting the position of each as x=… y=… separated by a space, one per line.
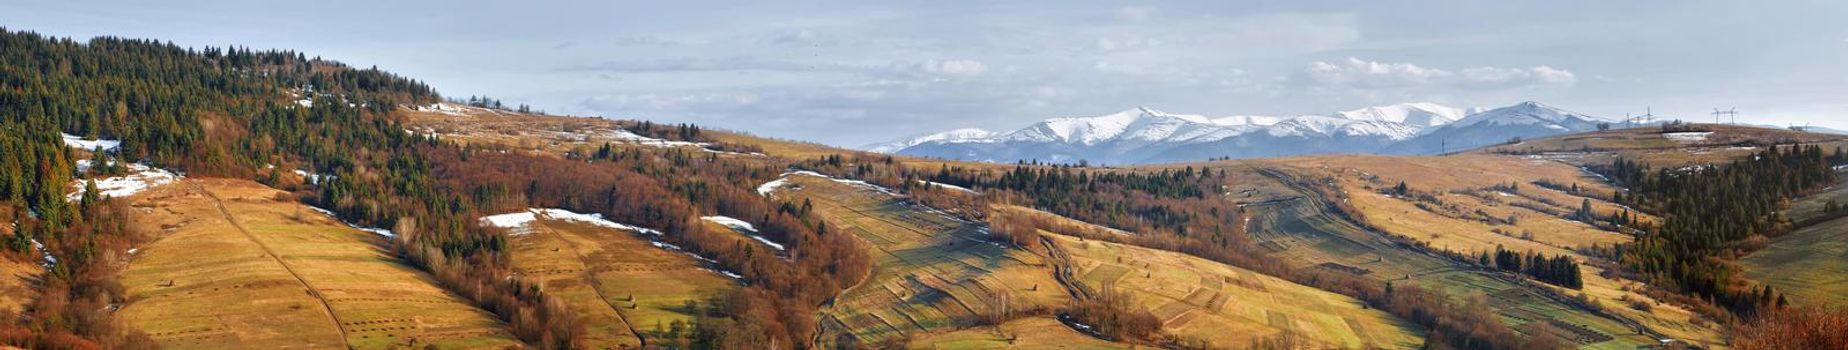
x=1794 y=328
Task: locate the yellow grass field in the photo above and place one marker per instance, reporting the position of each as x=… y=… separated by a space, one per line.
x=233 y=268
x=16 y=278
x=1230 y=307
x=625 y=289
x=931 y=274
x=1037 y=333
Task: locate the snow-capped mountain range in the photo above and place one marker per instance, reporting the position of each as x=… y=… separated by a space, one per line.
x=1145 y=135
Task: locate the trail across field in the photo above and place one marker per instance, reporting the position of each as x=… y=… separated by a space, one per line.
x=233 y=267
x=932 y=274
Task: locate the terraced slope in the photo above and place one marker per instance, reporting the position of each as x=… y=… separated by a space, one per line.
x=235 y=268
x=1296 y=226
x=1231 y=307
x=931 y=273
x=626 y=290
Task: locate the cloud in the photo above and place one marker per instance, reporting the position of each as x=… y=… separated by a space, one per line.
x=951 y=67
x=1363 y=75
x=686 y=64
x=1135 y=13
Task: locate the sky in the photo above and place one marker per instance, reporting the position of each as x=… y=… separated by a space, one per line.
x=854 y=73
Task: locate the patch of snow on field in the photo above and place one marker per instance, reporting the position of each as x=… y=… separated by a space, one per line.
x=772 y=185
x=49 y=260
x=1691 y=136
x=444 y=108
x=74 y=141
x=373 y=230
x=764 y=189
x=141 y=178
x=521 y=222
x=947 y=186
x=743 y=227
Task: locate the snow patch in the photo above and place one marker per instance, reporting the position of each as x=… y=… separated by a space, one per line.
x=743 y=228
x=74 y=141
x=1692 y=136
x=947 y=186
x=141 y=177
x=376 y=231
x=521 y=222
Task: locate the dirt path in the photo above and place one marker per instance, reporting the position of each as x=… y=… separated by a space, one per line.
x=590 y=276
x=232 y=219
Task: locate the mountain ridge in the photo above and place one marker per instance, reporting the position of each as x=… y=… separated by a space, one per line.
x=1147 y=135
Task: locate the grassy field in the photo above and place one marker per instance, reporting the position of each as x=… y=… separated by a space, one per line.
x=931 y=274
x=16 y=279
x=1810 y=264
x=1649 y=145
x=233 y=268
x=1300 y=231
x=624 y=288
x=1040 y=333
x=1230 y=307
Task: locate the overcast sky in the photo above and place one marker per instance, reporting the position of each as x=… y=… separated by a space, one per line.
x=852 y=73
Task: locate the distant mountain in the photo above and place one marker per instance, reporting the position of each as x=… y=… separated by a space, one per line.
x=1146 y=135
x=1500 y=125
x=947 y=136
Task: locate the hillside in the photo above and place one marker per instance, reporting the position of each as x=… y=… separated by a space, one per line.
x=259 y=199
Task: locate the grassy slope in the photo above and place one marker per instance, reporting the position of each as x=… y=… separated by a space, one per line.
x=1297 y=228
x=618 y=278
x=1552 y=233
x=205 y=283
x=1228 y=306
x=930 y=274
x=1811 y=263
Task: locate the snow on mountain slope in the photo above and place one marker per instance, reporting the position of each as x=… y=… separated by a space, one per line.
x=1530 y=113
x=1420 y=114
x=947 y=136
x=1145 y=135
x=1519 y=121
x=1251 y=120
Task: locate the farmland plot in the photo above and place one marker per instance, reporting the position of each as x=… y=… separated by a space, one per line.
x=931 y=273
x=234 y=268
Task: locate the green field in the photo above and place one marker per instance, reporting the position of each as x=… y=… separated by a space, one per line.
x=1810 y=265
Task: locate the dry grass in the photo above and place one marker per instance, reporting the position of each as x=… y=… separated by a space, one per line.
x=931 y=274
x=618 y=282
x=1647 y=144
x=16 y=284
x=281 y=276
x=1042 y=332
x=1230 y=307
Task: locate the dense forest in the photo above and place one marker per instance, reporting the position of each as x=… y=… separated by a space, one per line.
x=1707 y=211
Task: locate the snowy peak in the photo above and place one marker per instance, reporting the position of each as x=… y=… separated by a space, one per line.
x=1145 y=135
x=1529 y=113
x=1247 y=120
x=1141 y=123
x=958 y=135
x=1419 y=114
